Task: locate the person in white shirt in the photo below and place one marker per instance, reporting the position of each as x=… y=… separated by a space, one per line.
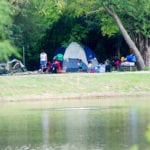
x=43 y=60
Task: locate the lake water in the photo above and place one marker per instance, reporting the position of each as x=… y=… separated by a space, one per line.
x=102 y=124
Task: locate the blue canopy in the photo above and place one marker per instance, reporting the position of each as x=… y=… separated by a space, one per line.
x=89 y=53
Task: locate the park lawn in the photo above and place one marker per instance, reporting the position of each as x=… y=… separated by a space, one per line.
x=73 y=85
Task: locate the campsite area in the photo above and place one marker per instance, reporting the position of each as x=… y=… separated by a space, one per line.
x=74 y=58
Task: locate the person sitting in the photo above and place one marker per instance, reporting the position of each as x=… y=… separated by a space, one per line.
x=90 y=67
x=55 y=67
x=80 y=65
x=122 y=59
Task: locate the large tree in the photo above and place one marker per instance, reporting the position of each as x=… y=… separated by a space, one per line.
x=130 y=42
x=136 y=28
x=132 y=19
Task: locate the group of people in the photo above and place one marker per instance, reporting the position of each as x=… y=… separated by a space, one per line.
x=47 y=66
x=56 y=65
x=116 y=62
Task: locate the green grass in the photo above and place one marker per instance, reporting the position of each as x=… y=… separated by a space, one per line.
x=47 y=86
x=147 y=68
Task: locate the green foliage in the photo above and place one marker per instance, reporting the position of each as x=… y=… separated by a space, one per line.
x=134 y=15
x=34 y=19
x=100 y=17
x=64 y=31
x=6 y=46
x=31 y=20
x=5 y=18
x=78 y=33
x=6 y=50
x=138 y=12
x=108 y=26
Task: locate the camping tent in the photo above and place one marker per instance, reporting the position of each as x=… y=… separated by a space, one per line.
x=73 y=53
x=12 y=66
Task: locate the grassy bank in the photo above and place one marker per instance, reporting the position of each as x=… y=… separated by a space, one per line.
x=79 y=85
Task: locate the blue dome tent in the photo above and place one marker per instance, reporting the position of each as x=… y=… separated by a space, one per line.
x=75 y=52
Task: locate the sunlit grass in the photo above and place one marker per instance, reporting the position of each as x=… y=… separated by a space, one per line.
x=80 y=84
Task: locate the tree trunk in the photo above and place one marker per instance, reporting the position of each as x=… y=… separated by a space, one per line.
x=146 y=53
x=131 y=44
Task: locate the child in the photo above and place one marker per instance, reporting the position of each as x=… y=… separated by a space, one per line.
x=80 y=65
x=90 y=66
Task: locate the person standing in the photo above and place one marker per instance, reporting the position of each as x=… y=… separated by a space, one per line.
x=43 y=60
x=107 y=65
x=117 y=64
x=59 y=57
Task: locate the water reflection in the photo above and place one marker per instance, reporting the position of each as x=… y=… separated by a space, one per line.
x=133 y=122
x=71 y=128
x=45 y=127
x=77 y=128
x=91 y=128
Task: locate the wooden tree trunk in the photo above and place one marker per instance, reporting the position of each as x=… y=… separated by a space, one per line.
x=146 y=56
x=146 y=52
x=131 y=44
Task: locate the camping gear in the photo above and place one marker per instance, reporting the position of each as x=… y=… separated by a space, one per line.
x=131 y=58
x=73 y=53
x=53 y=68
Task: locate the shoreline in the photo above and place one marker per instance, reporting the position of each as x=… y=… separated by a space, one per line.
x=38 y=98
